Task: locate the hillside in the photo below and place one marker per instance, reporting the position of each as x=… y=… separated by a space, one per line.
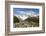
x=15 y=19
x=29 y=22
x=34 y=19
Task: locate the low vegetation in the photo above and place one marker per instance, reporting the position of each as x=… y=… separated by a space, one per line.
x=29 y=22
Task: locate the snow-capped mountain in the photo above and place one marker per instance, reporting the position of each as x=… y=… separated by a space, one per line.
x=23 y=17
x=26 y=15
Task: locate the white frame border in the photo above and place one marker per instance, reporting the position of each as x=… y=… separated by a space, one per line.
x=29 y=28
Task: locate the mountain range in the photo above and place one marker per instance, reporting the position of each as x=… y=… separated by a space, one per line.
x=29 y=19
x=23 y=17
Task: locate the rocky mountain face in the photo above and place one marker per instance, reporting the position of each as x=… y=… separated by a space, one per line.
x=23 y=17
x=34 y=19
x=29 y=19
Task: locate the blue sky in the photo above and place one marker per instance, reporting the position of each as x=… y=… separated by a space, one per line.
x=21 y=11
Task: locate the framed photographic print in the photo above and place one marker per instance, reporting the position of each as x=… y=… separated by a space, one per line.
x=24 y=17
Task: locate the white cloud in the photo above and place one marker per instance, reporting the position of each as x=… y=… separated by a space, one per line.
x=22 y=12
x=32 y=14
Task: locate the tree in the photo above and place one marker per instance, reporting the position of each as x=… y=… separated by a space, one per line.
x=16 y=20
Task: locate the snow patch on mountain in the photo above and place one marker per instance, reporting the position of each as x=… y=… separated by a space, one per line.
x=25 y=15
